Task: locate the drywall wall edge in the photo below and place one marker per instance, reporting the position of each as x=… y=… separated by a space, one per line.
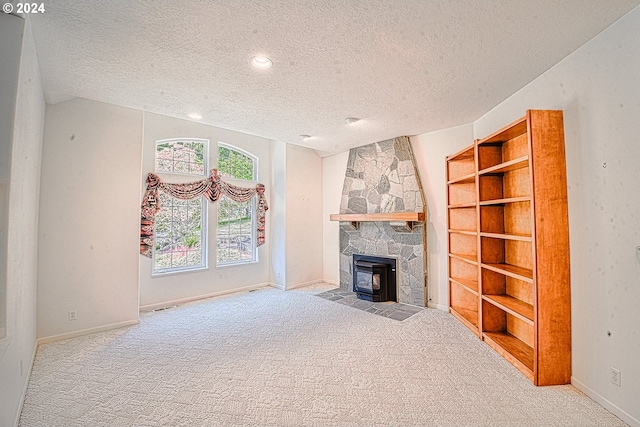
x=25 y=387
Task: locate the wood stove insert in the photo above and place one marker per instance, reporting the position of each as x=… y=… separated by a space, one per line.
x=374 y=278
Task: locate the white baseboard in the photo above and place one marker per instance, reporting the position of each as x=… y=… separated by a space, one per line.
x=303 y=284
x=441 y=307
x=298 y=285
x=332 y=282
x=88 y=331
x=26 y=384
x=165 y=304
x=605 y=403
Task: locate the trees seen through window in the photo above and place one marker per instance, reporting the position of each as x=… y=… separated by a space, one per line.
x=236 y=231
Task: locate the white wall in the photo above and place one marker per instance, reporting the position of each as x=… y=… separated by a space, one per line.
x=11 y=44
x=89 y=217
x=304 y=237
x=333 y=172
x=22 y=123
x=598 y=87
x=166 y=289
x=431 y=151
x=277 y=214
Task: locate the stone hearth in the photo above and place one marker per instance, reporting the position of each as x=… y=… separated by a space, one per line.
x=391 y=310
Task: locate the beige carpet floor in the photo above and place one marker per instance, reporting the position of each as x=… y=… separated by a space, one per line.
x=274 y=358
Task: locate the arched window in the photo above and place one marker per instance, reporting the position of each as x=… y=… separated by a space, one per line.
x=236 y=231
x=180 y=225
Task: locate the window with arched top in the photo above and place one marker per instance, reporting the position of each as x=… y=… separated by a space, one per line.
x=236 y=230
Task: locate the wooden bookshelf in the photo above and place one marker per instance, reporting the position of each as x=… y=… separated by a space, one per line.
x=471 y=285
x=462 y=223
x=513 y=289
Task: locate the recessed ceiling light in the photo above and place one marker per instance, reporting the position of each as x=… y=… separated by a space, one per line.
x=194 y=116
x=305 y=137
x=351 y=120
x=261 y=62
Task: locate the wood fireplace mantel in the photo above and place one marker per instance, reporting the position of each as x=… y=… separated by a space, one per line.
x=355 y=219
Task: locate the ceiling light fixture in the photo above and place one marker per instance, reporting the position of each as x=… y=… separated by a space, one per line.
x=261 y=62
x=351 y=120
x=305 y=137
x=194 y=116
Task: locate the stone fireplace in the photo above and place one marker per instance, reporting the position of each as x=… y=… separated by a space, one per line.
x=381 y=190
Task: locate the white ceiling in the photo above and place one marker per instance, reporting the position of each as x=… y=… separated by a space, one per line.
x=404 y=66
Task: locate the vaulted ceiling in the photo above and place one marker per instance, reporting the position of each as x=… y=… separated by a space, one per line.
x=404 y=67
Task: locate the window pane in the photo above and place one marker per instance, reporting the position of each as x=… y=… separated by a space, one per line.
x=180 y=156
x=234 y=164
x=179 y=233
x=235 y=239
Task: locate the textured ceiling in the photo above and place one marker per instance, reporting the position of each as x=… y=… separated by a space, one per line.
x=404 y=66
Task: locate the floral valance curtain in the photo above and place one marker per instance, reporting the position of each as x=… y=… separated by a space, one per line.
x=211 y=188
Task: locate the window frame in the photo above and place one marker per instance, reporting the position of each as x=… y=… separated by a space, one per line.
x=204 y=213
x=254 y=220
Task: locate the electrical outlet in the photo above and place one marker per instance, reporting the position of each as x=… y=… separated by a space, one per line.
x=638 y=253
x=278 y=275
x=615 y=376
x=73 y=314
